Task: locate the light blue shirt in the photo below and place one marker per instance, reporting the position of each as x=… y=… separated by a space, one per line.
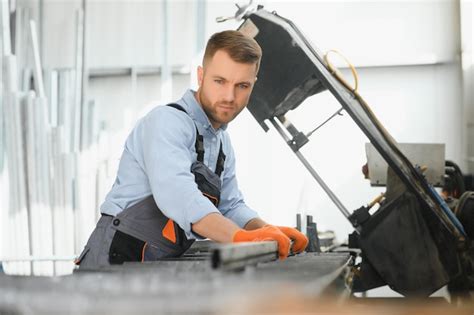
x=157 y=160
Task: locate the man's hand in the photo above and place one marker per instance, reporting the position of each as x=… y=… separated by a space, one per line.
x=300 y=240
x=267 y=233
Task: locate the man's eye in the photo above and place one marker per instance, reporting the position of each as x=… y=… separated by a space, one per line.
x=219 y=81
x=243 y=86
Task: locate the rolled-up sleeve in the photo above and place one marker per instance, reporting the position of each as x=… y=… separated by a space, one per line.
x=167 y=140
x=232 y=204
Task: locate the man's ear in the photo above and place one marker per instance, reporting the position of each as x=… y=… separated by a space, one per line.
x=200 y=75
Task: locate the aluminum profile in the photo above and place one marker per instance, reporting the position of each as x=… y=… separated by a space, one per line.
x=240 y=255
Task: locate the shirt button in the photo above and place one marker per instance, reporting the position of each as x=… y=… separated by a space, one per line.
x=116 y=222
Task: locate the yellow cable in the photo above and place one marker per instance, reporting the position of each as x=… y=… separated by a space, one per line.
x=335 y=72
x=378 y=199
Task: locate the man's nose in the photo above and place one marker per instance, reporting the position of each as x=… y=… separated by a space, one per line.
x=229 y=94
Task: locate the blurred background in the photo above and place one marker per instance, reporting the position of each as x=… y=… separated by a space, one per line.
x=77 y=75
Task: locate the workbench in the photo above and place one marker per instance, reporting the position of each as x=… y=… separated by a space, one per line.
x=185 y=286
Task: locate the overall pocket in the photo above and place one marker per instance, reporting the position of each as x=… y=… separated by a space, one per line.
x=125 y=248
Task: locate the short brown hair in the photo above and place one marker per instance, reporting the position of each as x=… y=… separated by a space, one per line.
x=241 y=48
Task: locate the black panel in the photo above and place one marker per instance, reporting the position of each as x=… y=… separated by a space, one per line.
x=398 y=243
x=286 y=76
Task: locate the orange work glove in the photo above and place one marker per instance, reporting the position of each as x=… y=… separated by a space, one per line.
x=300 y=241
x=266 y=233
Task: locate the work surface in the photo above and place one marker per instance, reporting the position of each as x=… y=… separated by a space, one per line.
x=184 y=286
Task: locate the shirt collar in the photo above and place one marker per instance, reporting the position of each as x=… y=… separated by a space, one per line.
x=196 y=112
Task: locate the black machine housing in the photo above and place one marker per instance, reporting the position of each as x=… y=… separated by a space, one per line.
x=411 y=243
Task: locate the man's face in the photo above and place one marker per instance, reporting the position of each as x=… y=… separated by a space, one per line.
x=224 y=87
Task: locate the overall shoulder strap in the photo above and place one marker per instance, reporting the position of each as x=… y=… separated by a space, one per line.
x=178 y=107
x=199 y=145
x=220 y=161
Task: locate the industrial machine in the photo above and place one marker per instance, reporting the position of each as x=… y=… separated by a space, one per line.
x=414 y=242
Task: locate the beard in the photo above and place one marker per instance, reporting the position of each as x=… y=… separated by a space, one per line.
x=211 y=109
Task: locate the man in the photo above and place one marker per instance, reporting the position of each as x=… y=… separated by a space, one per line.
x=176 y=179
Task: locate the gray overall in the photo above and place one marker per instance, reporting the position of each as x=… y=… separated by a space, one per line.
x=142 y=232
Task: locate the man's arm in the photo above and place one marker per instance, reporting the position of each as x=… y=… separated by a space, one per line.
x=220 y=229
x=216 y=227
x=166 y=137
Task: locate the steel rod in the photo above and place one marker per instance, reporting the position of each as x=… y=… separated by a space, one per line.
x=78 y=67
x=166 y=74
x=240 y=255
x=325 y=122
x=84 y=70
x=39 y=83
x=97 y=72
x=6 y=35
x=315 y=175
